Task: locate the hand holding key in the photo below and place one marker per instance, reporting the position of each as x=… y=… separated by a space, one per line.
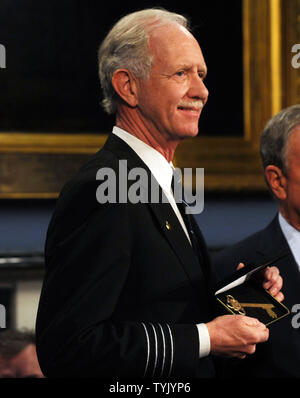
x=272 y=281
x=236 y=335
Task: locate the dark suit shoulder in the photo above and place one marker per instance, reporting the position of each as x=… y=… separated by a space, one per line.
x=77 y=200
x=241 y=248
x=86 y=175
x=226 y=261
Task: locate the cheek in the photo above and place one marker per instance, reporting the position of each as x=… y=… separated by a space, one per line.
x=162 y=100
x=294 y=194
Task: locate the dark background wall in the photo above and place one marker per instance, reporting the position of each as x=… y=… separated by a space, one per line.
x=51 y=80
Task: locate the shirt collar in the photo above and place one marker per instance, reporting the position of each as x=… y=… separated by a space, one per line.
x=292 y=235
x=161 y=169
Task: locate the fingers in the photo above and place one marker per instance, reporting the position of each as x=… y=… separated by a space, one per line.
x=279 y=297
x=260 y=331
x=271 y=275
x=236 y=335
x=264 y=334
x=240 y=355
x=251 y=321
x=249 y=350
x=273 y=281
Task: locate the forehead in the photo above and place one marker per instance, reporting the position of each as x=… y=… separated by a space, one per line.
x=294 y=143
x=173 y=45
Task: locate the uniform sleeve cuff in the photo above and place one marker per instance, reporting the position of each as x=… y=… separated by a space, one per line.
x=204 y=340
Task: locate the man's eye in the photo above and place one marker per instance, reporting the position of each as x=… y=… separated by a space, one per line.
x=180 y=73
x=201 y=75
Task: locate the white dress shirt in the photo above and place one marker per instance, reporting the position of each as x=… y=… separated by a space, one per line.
x=162 y=171
x=292 y=235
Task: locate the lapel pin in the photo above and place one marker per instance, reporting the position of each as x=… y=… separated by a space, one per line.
x=168 y=226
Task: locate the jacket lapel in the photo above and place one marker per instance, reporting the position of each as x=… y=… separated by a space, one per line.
x=272 y=242
x=163 y=212
x=177 y=239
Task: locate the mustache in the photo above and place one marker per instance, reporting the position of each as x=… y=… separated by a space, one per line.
x=197 y=104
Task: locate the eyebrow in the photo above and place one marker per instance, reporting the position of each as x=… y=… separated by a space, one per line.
x=187 y=67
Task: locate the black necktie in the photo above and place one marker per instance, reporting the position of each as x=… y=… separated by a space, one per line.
x=177 y=189
x=196 y=245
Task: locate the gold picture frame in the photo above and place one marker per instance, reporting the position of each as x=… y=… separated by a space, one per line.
x=233 y=164
x=230 y=163
x=291 y=33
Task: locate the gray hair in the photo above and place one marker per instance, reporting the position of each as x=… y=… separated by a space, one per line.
x=275 y=137
x=126 y=46
x=12 y=342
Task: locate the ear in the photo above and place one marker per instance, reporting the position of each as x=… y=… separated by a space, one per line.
x=125 y=85
x=277 y=181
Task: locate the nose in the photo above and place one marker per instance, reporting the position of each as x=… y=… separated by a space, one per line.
x=198 y=89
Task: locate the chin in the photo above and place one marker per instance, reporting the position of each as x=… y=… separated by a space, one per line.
x=189 y=133
x=184 y=132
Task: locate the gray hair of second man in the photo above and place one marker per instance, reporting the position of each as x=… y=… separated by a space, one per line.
x=126 y=47
x=275 y=138
x=12 y=342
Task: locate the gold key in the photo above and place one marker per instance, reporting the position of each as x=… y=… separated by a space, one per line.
x=267 y=307
x=235 y=305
